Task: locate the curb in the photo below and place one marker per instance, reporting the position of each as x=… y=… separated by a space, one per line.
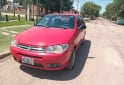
x=15 y=26
x=4 y=54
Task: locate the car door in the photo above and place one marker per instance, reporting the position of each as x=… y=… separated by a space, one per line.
x=80 y=31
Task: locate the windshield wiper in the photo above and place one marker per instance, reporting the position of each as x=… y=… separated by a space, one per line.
x=41 y=25
x=59 y=27
x=64 y=27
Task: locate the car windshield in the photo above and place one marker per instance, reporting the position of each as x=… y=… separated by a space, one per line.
x=57 y=21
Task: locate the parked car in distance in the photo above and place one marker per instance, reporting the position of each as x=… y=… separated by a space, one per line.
x=51 y=44
x=120 y=22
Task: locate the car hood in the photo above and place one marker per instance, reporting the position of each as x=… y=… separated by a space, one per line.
x=45 y=36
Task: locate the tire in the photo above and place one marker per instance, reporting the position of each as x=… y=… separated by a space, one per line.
x=71 y=61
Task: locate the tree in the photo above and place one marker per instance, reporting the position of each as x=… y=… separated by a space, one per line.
x=90 y=9
x=115 y=10
x=111 y=14
x=52 y=5
x=0 y=9
x=66 y=5
x=121 y=11
x=56 y=5
x=48 y=5
x=2 y=3
x=27 y=5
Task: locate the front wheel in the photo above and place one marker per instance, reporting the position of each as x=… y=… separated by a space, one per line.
x=71 y=61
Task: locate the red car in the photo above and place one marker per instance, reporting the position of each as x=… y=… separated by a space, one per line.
x=50 y=44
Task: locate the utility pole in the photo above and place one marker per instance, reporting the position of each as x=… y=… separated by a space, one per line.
x=14 y=7
x=77 y=4
x=0 y=9
x=28 y=13
x=37 y=10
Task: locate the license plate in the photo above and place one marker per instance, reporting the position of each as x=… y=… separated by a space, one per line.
x=27 y=60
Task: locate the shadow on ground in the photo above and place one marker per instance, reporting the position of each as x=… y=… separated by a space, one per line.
x=63 y=75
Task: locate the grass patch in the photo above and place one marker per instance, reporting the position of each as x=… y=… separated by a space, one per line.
x=15 y=12
x=19 y=29
x=9 y=17
x=5 y=40
x=14 y=23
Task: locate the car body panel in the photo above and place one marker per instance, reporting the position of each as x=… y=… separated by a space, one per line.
x=45 y=36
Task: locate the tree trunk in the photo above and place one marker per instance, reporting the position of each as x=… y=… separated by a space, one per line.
x=28 y=12
x=13 y=8
x=0 y=10
x=33 y=11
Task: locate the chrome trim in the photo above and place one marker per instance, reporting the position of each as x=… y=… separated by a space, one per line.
x=31 y=48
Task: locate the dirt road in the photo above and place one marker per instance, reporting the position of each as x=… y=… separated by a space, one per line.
x=100 y=61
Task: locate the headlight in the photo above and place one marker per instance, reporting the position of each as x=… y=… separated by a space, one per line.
x=14 y=43
x=57 y=48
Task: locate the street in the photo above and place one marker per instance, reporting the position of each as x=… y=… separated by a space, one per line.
x=99 y=61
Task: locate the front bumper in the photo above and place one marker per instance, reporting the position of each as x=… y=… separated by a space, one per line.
x=46 y=61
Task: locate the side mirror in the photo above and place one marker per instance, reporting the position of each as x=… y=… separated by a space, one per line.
x=82 y=26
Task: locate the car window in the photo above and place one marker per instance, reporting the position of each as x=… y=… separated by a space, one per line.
x=58 y=21
x=44 y=21
x=80 y=21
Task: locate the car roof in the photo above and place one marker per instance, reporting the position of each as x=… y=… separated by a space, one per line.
x=71 y=14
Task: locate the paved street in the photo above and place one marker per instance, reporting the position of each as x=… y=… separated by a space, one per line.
x=100 y=61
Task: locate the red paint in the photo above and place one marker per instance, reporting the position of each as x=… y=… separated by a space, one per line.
x=44 y=37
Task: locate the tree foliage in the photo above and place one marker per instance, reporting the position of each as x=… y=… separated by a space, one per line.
x=24 y=2
x=115 y=10
x=90 y=9
x=56 y=5
x=52 y=5
x=2 y=3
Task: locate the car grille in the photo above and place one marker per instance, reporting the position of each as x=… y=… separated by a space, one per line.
x=31 y=48
x=24 y=47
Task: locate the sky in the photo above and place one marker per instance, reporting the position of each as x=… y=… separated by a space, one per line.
x=102 y=3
